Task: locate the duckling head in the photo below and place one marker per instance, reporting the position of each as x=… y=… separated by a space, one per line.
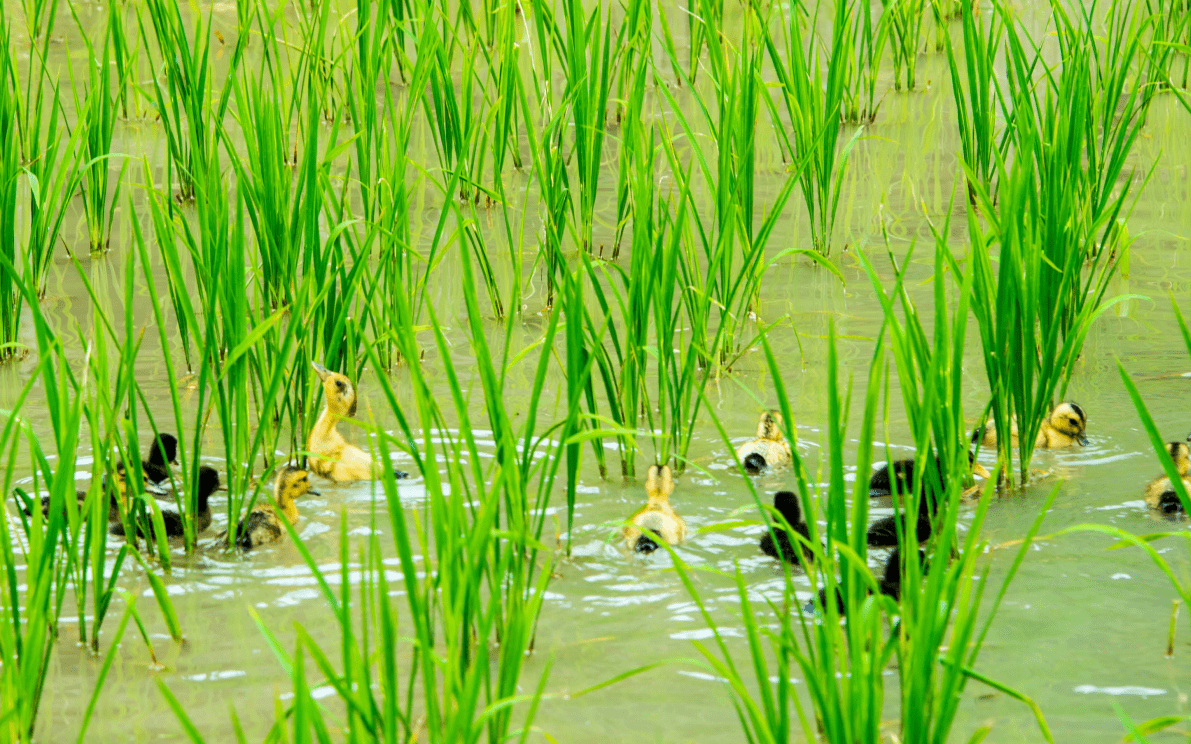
x=770 y=426
x=164 y=449
x=291 y=483
x=341 y=394
x=1070 y=419
x=659 y=482
x=787 y=505
x=1181 y=454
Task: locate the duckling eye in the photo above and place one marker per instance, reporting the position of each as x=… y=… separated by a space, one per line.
x=339 y=384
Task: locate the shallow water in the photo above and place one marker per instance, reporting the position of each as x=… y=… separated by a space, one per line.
x=1082 y=629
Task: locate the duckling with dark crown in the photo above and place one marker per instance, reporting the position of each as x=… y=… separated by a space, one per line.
x=1160 y=493
x=657 y=515
x=881 y=483
x=208 y=483
x=1064 y=427
x=769 y=450
x=163 y=449
x=331 y=455
x=116 y=488
x=264 y=525
x=786 y=504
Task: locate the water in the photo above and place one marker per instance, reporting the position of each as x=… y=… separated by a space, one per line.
x=1082 y=628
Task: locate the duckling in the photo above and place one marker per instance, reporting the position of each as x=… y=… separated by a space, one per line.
x=331 y=455
x=1064 y=427
x=769 y=450
x=263 y=525
x=164 y=449
x=787 y=505
x=903 y=472
x=208 y=483
x=890 y=583
x=1160 y=493
x=117 y=490
x=657 y=515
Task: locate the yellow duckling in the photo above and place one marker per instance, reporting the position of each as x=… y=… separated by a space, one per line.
x=1064 y=427
x=657 y=515
x=769 y=450
x=1160 y=494
x=331 y=455
x=263 y=525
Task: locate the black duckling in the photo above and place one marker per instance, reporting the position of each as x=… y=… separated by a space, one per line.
x=208 y=483
x=1064 y=427
x=657 y=515
x=786 y=504
x=164 y=449
x=263 y=525
x=881 y=484
x=1160 y=493
x=890 y=583
x=769 y=450
x=117 y=490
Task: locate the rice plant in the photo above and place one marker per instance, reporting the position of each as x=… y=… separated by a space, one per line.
x=903 y=19
x=11 y=297
x=976 y=92
x=813 y=87
x=98 y=124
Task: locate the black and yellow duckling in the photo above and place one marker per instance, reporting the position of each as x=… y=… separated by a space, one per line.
x=890 y=583
x=116 y=489
x=1160 y=493
x=657 y=515
x=163 y=450
x=208 y=483
x=769 y=450
x=786 y=504
x=331 y=455
x=881 y=482
x=264 y=525
x=1064 y=427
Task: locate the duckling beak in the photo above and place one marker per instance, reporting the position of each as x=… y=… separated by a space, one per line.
x=312 y=491
x=322 y=371
x=1082 y=439
x=978 y=469
x=155 y=489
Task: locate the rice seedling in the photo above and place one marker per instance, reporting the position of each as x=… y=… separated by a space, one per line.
x=40 y=16
x=904 y=21
x=976 y=92
x=814 y=99
x=98 y=124
x=185 y=101
x=11 y=298
x=865 y=48
x=1059 y=202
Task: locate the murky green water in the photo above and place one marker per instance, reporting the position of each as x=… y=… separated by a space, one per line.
x=1082 y=629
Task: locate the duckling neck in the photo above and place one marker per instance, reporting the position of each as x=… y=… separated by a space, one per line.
x=290 y=510
x=325 y=424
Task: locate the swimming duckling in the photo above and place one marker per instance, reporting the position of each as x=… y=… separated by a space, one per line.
x=1064 y=427
x=331 y=455
x=890 y=583
x=117 y=490
x=263 y=525
x=208 y=484
x=657 y=515
x=787 y=505
x=903 y=472
x=769 y=450
x=164 y=449
x=1160 y=494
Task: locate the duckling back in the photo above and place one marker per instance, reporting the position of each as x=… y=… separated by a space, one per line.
x=769 y=450
x=657 y=515
x=260 y=527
